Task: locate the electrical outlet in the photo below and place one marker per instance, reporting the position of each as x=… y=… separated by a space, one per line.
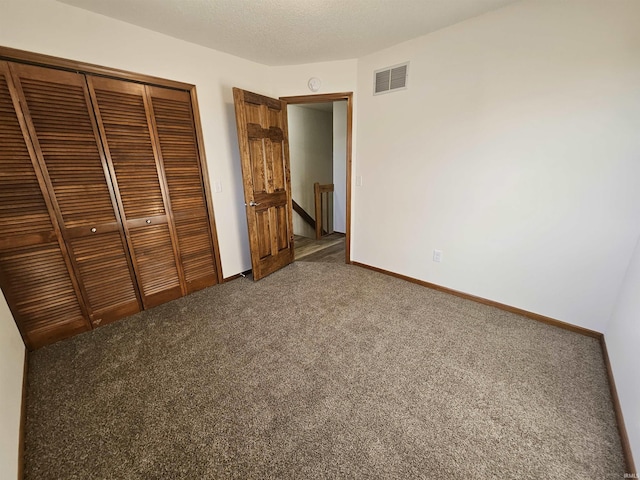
x=437 y=256
x=217 y=186
x=358 y=180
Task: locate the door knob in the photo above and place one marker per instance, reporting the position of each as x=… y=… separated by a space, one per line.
x=94 y=230
x=253 y=204
x=148 y=222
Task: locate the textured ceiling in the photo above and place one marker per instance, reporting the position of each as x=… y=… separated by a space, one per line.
x=289 y=32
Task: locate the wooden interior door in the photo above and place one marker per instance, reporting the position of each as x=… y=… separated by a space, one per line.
x=264 y=155
x=35 y=274
x=124 y=120
x=180 y=158
x=58 y=112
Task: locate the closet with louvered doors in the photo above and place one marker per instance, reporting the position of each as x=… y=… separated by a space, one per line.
x=173 y=120
x=104 y=207
x=58 y=112
x=124 y=118
x=151 y=145
x=35 y=272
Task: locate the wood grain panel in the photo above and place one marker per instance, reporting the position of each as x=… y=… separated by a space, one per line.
x=264 y=234
x=275 y=117
x=24 y=56
x=124 y=119
x=39 y=288
x=267 y=200
x=252 y=99
x=104 y=268
x=254 y=114
x=66 y=139
x=156 y=265
x=178 y=150
x=266 y=149
x=128 y=140
x=36 y=280
x=263 y=140
x=268 y=166
x=282 y=222
x=258 y=169
x=196 y=252
x=277 y=160
x=22 y=206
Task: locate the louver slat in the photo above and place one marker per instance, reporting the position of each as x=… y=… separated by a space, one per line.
x=41 y=295
x=22 y=206
x=105 y=269
x=155 y=262
x=59 y=110
x=124 y=122
x=179 y=152
x=66 y=139
x=34 y=276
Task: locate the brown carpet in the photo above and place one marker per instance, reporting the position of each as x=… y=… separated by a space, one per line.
x=321 y=371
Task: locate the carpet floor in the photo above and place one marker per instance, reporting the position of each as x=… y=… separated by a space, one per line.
x=321 y=370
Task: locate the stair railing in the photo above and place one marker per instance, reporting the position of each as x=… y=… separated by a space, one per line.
x=303 y=214
x=323 y=194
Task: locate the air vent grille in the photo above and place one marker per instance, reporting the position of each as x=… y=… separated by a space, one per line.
x=391 y=78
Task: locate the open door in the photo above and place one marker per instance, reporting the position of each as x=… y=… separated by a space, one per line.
x=264 y=155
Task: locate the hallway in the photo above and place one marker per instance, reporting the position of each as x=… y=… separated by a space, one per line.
x=329 y=249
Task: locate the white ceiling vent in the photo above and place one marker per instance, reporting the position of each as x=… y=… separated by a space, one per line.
x=390 y=79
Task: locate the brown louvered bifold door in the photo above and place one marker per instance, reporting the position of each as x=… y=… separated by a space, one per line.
x=125 y=123
x=178 y=149
x=37 y=280
x=58 y=112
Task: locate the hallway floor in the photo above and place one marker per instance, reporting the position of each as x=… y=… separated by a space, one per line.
x=328 y=249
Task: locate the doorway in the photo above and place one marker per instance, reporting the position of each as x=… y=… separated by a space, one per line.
x=320 y=137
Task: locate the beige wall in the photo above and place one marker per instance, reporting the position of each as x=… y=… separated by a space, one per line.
x=623 y=346
x=338 y=76
x=12 y=353
x=515 y=151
